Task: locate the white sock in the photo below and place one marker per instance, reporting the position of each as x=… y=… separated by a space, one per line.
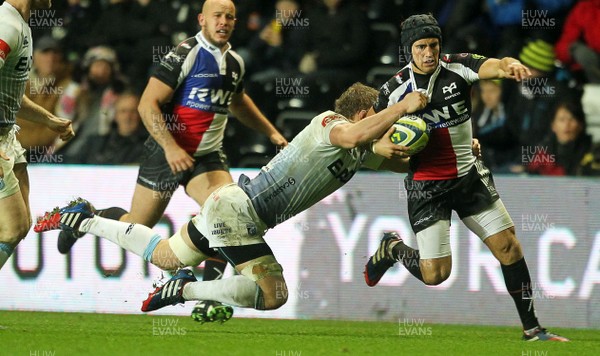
x=135 y=238
x=238 y=291
x=5 y=251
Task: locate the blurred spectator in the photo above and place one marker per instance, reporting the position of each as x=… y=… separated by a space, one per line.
x=48 y=79
x=274 y=46
x=185 y=19
x=492 y=129
x=335 y=48
x=590 y=165
x=579 y=44
x=247 y=25
x=80 y=17
x=506 y=17
x=124 y=144
x=275 y=53
x=468 y=28
x=91 y=103
x=136 y=30
x=529 y=103
x=562 y=152
x=395 y=11
x=518 y=19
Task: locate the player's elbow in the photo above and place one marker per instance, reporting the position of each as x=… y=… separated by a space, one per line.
x=142 y=107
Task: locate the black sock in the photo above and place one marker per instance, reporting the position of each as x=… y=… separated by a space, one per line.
x=213 y=269
x=518 y=284
x=113 y=213
x=409 y=257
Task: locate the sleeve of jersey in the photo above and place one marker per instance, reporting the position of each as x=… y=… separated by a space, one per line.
x=172 y=66
x=465 y=64
x=240 y=85
x=326 y=122
x=382 y=100
x=8 y=40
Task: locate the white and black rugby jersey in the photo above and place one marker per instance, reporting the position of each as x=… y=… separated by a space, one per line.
x=204 y=80
x=448 y=154
x=304 y=172
x=15 y=61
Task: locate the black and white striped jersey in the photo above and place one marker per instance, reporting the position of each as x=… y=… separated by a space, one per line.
x=448 y=154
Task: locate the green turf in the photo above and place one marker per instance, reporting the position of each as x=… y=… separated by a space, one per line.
x=42 y=334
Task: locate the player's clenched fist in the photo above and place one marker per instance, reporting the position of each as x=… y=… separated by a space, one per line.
x=178 y=159
x=63 y=127
x=414 y=101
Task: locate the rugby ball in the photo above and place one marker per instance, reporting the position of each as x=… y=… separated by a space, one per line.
x=411 y=131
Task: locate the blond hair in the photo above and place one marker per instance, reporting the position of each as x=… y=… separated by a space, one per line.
x=356 y=98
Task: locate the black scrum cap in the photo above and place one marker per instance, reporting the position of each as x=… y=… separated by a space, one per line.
x=418 y=27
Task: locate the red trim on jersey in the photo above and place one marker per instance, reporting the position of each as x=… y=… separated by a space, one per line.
x=329 y=118
x=189 y=127
x=4 y=49
x=438 y=160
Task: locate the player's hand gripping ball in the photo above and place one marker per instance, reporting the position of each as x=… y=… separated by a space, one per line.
x=412 y=132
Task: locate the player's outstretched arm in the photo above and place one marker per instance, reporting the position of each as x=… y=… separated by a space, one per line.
x=244 y=109
x=31 y=111
x=368 y=128
x=155 y=95
x=506 y=67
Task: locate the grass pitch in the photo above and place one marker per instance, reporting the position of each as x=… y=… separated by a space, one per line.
x=45 y=334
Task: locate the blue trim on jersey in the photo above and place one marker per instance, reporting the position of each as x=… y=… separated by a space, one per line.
x=151 y=247
x=409 y=89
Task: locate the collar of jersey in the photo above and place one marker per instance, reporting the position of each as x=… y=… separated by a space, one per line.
x=429 y=90
x=215 y=51
x=209 y=47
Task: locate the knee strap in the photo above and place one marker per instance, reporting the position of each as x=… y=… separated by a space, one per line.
x=186 y=255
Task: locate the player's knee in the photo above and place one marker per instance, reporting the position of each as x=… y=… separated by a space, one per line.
x=435 y=271
x=508 y=248
x=24 y=228
x=275 y=303
x=275 y=294
x=267 y=273
x=435 y=278
x=13 y=234
x=281 y=294
x=164 y=258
